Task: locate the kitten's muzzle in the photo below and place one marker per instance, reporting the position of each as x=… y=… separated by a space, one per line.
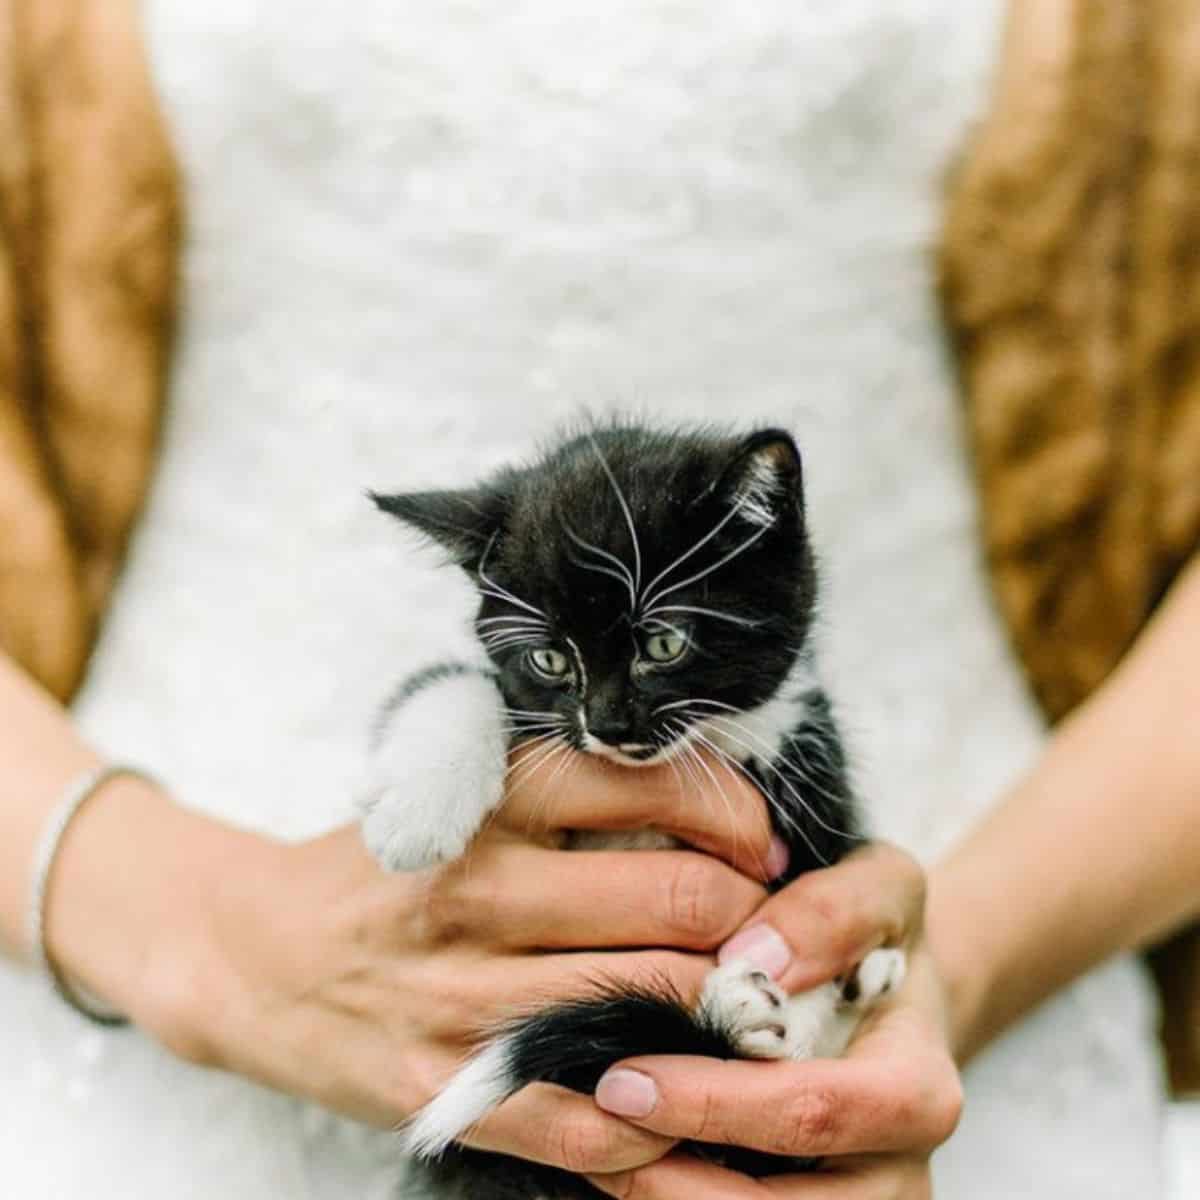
x=611 y=735
x=614 y=731
x=630 y=753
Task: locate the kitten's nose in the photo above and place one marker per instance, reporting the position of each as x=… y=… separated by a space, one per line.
x=611 y=728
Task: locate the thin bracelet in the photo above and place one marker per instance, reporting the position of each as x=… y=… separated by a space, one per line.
x=77 y=793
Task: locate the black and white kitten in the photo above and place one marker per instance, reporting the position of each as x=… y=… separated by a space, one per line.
x=644 y=596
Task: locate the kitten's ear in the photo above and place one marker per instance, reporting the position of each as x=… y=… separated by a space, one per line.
x=765 y=480
x=464 y=523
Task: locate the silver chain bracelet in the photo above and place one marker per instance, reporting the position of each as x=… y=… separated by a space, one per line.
x=76 y=794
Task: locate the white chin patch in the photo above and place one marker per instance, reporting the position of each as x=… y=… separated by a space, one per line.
x=628 y=755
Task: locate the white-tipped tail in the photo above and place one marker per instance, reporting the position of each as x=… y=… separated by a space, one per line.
x=479 y=1087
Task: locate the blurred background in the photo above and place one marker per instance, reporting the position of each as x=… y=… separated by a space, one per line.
x=259 y=256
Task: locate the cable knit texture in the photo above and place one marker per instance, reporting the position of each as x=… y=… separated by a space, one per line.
x=416 y=244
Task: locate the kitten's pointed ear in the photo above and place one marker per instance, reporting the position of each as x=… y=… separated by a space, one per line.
x=765 y=480
x=462 y=522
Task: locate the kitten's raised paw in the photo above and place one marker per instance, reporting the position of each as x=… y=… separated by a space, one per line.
x=397 y=844
x=436 y=770
x=880 y=973
x=750 y=1007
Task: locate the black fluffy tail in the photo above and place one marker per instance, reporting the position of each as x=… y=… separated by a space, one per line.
x=574 y=1044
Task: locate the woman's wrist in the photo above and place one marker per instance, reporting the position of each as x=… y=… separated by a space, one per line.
x=961 y=956
x=129 y=902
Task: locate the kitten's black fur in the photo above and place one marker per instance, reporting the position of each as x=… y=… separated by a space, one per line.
x=551 y=537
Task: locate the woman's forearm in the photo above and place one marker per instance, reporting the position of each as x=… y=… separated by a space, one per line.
x=39 y=755
x=1096 y=852
x=126 y=866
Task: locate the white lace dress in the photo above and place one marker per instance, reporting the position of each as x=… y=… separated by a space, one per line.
x=421 y=235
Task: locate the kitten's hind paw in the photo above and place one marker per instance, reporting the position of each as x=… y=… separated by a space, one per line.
x=750 y=1008
x=761 y=1021
x=879 y=974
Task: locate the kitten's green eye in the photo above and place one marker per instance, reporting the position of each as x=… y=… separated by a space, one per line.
x=552 y=664
x=666 y=647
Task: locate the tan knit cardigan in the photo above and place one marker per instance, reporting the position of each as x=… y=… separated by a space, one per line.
x=1070 y=283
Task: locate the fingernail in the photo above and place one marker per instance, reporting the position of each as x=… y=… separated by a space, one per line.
x=777 y=858
x=626 y=1093
x=761 y=946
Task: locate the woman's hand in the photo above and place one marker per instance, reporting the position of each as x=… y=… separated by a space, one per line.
x=875 y=1116
x=309 y=969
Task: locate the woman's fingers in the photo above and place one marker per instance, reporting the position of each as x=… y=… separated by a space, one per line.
x=827 y=921
x=680 y=1175
x=470 y=993
x=896 y=1091
x=549 y=1124
x=498 y=895
x=709 y=806
x=820 y=1108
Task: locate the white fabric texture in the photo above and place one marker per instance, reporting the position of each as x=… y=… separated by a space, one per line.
x=421 y=236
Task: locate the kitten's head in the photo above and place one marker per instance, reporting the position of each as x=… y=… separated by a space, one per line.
x=634 y=583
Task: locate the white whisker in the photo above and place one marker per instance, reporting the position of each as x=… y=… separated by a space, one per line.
x=492 y=588
x=637 y=550
x=648 y=596
x=597 y=569
x=744 y=622
x=767 y=760
x=563 y=751
x=541 y=728
x=741 y=549
x=681 y=757
x=568 y=761
x=622 y=573
x=502 y=643
x=525 y=768
x=671 y=761
x=690 y=749
x=686 y=703
x=783 y=816
x=497 y=593
x=541 y=745
x=533 y=741
x=528 y=630
x=762 y=751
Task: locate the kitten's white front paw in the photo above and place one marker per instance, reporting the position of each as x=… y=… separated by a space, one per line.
x=437 y=770
x=750 y=1007
x=396 y=840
